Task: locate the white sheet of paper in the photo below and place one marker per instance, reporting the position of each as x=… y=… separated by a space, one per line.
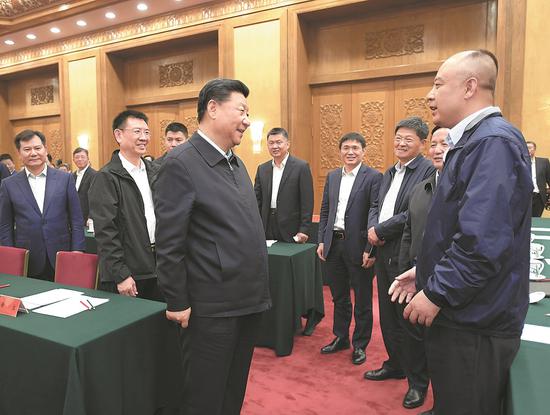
x=540 y=229
x=533 y=333
x=270 y=242
x=544 y=237
x=48 y=297
x=70 y=306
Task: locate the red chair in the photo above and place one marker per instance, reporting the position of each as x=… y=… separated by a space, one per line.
x=14 y=261
x=77 y=269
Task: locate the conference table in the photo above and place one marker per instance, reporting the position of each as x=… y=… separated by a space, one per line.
x=296 y=287
x=121 y=358
x=528 y=387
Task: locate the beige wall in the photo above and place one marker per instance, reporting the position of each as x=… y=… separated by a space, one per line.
x=82 y=105
x=535 y=123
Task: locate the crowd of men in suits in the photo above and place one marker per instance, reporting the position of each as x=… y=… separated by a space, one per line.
x=189 y=229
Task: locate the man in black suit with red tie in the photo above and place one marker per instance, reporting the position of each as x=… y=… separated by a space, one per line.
x=284 y=190
x=211 y=252
x=540 y=171
x=349 y=193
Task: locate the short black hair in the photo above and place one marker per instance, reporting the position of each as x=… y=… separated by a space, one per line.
x=414 y=123
x=527 y=142
x=277 y=131
x=120 y=120
x=27 y=135
x=176 y=127
x=5 y=156
x=219 y=90
x=80 y=150
x=353 y=136
x=50 y=158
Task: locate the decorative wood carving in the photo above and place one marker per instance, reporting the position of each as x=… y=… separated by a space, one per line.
x=11 y=8
x=395 y=42
x=331 y=132
x=55 y=144
x=417 y=107
x=42 y=95
x=372 y=128
x=176 y=74
x=192 y=124
x=182 y=18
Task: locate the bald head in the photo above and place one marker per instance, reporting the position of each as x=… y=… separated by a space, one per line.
x=464 y=84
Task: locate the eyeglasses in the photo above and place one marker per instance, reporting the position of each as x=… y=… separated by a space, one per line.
x=138 y=132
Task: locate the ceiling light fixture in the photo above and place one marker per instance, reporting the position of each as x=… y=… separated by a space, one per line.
x=110 y=15
x=9 y=42
x=55 y=30
x=31 y=36
x=142 y=7
x=81 y=23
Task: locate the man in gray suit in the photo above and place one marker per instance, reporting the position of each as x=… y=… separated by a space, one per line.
x=211 y=252
x=284 y=190
x=349 y=193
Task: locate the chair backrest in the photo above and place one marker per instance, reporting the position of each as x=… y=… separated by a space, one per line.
x=14 y=261
x=76 y=268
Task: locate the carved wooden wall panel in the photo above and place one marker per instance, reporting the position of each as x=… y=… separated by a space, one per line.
x=42 y=95
x=330 y=134
x=394 y=42
x=35 y=94
x=176 y=74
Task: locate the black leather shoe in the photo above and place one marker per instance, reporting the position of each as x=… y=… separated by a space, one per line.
x=430 y=412
x=358 y=357
x=339 y=343
x=414 y=398
x=384 y=373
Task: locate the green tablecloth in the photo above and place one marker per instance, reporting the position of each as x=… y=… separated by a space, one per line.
x=296 y=289
x=540 y=231
x=528 y=391
x=121 y=358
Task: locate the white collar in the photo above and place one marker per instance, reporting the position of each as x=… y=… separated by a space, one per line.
x=352 y=173
x=43 y=172
x=81 y=172
x=129 y=166
x=283 y=163
x=398 y=166
x=217 y=147
x=458 y=130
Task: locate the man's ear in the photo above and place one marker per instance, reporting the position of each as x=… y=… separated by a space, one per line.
x=471 y=87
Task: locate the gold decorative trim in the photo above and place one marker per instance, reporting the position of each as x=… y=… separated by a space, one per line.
x=42 y=95
x=176 y=74
x=331 y=131
x=11 y=8
x=395 y=42
x=156 y=24
x=372 y=128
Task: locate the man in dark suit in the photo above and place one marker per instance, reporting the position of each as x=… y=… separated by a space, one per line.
x=7 y=161
x=39 y=208
x=386 y=220
x=212 y=255
x=175 y=134
x=121 y=206
x=540 y=171
x=83 y=178
x=349 y=193
x=284 y=190
x=4 y=172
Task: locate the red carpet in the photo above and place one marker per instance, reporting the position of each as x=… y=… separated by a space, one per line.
x=308 y=383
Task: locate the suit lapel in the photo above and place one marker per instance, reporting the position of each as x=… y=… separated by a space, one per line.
x=334 y=189
x=51 y=183
x=357 y=183
x=286 y=172
x=25 y=187
x=269 y=180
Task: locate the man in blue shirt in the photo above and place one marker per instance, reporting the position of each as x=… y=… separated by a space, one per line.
x=472 y=273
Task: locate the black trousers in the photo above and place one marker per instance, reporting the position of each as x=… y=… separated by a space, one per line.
x=272 y=230
x=147 y=289
x=538 y=205
x=47 y=273
x=217 y=354
x=343 y=272
x=469 y=371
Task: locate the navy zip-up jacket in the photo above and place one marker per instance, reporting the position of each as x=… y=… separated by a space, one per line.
x=475 y=250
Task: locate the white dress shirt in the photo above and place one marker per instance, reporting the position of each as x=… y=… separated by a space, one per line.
x=534 y=175
x=343 y=196
x=139 y=174
x=80 y=175
x=388 y=205
x=38 y=186
x=277 y=176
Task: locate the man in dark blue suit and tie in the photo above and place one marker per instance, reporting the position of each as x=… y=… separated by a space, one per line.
x=343 y=243
x=39 y=208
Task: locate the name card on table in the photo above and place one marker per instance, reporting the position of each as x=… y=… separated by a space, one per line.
x=9 y=306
